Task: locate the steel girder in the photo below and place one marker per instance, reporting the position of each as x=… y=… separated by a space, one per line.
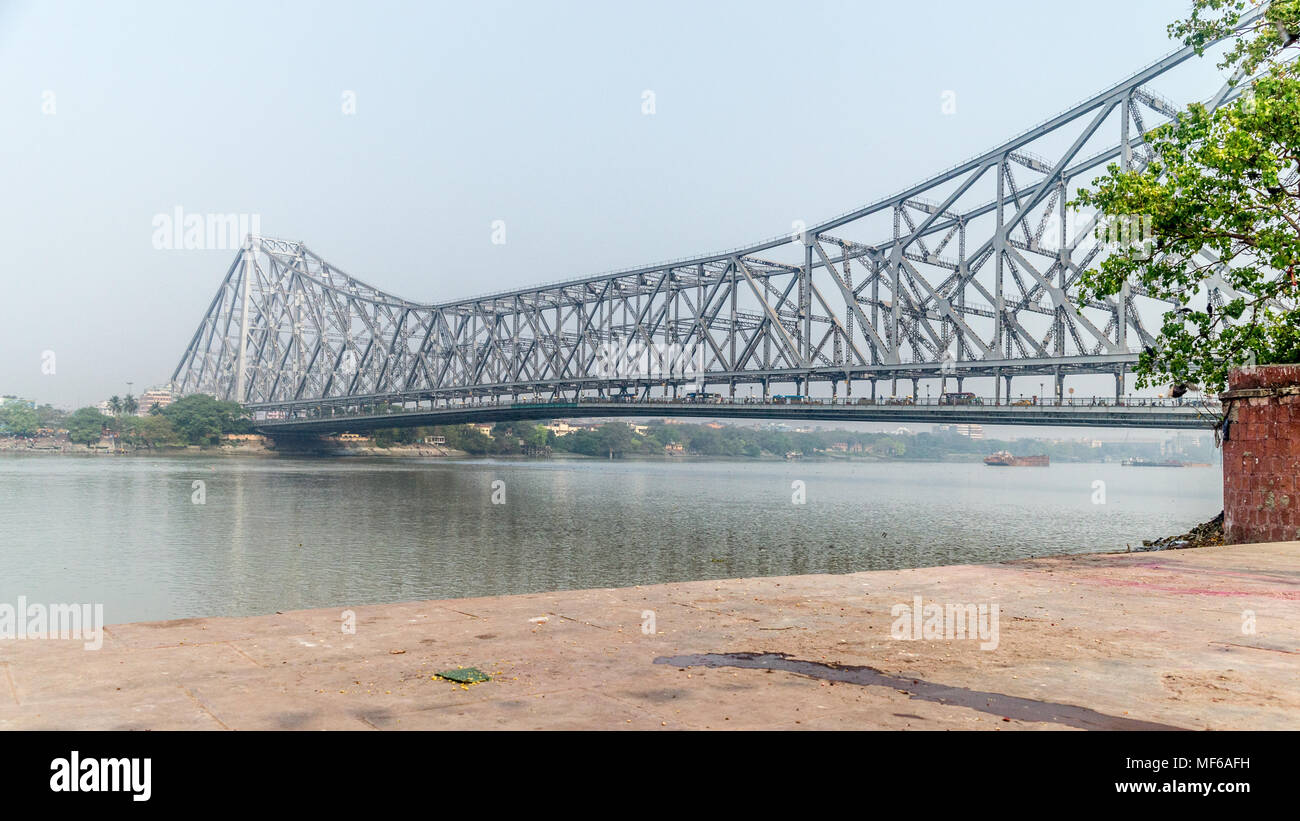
x=977 y=275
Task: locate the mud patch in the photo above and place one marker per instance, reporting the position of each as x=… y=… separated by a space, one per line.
x=292 y=721
x=1215 y=685
x=658 y=696
x=998 y=704
x=378 y=717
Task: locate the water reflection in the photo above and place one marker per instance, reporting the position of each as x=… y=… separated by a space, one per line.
x=280 y=534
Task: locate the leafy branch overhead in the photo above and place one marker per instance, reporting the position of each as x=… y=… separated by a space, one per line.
x=1221 y=195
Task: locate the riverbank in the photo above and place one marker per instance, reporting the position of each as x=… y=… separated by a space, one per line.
x=261 y=450
x=250 y=448
x=1204 y=638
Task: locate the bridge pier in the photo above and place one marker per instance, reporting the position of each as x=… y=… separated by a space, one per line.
x=916 y=387
x=1119 y=384
x=1008 y=378
x=1060 y=386
x=873 y=390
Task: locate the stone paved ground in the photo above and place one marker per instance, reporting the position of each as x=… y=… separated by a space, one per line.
x=1115 y=641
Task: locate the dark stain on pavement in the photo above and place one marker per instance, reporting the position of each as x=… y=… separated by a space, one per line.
x=292 y=721
x=998 y=704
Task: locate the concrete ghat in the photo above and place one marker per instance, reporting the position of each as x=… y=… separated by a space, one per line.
x=1136 y=641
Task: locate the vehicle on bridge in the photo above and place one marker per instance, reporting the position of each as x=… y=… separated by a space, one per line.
x=900 y=400
x=790 y=399
x=960 y=399
x=703 y=396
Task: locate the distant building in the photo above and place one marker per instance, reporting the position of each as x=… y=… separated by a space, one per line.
x=969 y=431
x=14 y=400
x=162 y=397
x=561 y=427
x=484 y=429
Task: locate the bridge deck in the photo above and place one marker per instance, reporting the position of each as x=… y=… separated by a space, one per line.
x=1126 y=416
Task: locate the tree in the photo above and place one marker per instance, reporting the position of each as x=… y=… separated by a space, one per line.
x=19 y=419
x=86 y=426
x=463 y=437
x=49 y=416
x=130 y=405
x=115 y=404
x=200 y=419
x=615 y=438
x=582 y=442
x=1222 y=181
x=149 y=431
x=535 y=436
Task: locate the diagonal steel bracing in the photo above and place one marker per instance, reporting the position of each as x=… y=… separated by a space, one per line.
x=976 y=275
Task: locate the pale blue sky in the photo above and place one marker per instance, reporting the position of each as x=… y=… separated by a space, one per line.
x=472 y=112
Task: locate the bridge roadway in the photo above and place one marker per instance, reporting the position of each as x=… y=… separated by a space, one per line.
x=1070 y=414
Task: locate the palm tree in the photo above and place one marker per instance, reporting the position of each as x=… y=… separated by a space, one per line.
x=115 y=404
x=130 y=405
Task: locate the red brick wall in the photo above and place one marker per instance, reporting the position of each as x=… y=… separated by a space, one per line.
x=1261 y=456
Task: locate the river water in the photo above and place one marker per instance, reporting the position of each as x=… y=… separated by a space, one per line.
x=261 y=535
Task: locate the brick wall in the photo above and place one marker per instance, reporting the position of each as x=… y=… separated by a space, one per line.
x=1261 y=455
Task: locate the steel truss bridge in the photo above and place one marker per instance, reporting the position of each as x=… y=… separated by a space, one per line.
x=971 y=273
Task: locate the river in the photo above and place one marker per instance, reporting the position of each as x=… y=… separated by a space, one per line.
x=259 y=535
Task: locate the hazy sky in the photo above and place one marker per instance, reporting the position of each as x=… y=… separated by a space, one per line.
x=471 y=112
